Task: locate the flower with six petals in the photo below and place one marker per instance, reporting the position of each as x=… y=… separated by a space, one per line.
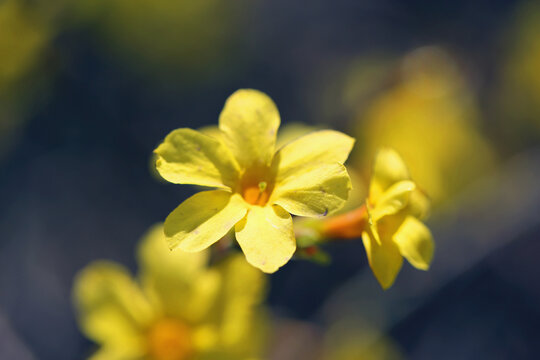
x=257 y=187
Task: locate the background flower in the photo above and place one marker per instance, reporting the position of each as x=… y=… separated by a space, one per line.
x=179 y=308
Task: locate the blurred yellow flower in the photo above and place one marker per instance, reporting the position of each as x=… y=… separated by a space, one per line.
x=178 y=309
x=23 y=36
x=430 y=116
x=258 y=187
x=25 y=33
x=517 y=102
x=192 y=39
x=395 y=207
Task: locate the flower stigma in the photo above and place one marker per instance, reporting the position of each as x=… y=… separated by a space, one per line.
x=169 y=339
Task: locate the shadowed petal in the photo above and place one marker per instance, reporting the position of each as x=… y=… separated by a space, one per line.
x=415 y=243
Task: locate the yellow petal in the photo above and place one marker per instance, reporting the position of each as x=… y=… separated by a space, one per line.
x=111 y=308
x=203 y=219
x=177 y=282
x=415 y=243
x=325 y=146
x=388 y=169
x=384 y=259
x=211 y=130
x=267 y=238
x=373 y=230
x=395 y=198
x=240 y=301
x=203 y=295
x=125 y=352
x=187 y=156
x=156 y=259
x=233 y=329
x=204 y=337
x=419 y=204
x=249 y=122
x=316 y=190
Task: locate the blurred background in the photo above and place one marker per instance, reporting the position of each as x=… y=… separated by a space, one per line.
x=89 y=88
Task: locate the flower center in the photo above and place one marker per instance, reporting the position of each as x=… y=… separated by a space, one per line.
x=256 y=186
x=256 y=194
x=169 y=339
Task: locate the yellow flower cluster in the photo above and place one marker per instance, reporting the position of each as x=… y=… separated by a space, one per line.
x=182 y=308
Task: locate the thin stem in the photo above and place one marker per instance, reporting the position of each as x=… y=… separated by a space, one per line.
x=346 y=226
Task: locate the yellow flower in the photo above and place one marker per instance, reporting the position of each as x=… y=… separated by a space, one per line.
x=394 y=230
x=431 y=117
x=257 y=187
x=178 y=309
x=518 y=97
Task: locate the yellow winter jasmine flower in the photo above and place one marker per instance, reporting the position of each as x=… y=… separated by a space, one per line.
x=258 y=188
x=389 y=222
x=395 y=207
x=179 y=309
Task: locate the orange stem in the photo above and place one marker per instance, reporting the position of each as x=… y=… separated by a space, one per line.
x=346 y=226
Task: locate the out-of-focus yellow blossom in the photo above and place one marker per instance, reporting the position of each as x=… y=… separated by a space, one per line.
x=23 y=36
x=258 y=187
x=195 y=39
x=395 y=208
x=518 y=101
x=430 y=116
x=179 y=309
